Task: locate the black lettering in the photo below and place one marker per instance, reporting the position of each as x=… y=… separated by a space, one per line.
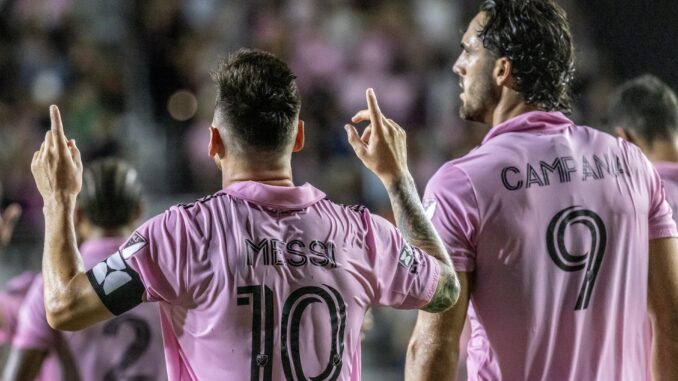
x=532 y=177
x=319 y=258
x=293 y=248
x=276 y=252
x=588 y=170
x=504 y=178
x=557 y=165
x=600 y=165
x=566 y=160
x=256 y=249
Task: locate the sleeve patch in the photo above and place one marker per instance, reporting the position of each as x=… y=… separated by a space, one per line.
x=118 y=285
x=133 y=245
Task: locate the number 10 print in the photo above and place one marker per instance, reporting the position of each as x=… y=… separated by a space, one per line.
x=261 y=299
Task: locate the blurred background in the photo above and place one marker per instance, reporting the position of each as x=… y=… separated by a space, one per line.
x=132 y=81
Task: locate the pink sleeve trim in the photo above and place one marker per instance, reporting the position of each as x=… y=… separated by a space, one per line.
x=664 y=232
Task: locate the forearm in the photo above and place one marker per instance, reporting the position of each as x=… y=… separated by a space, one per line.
x=61 y=260
x=433 y=352
x=419 y=231
x=665 y=352
x=411 y=219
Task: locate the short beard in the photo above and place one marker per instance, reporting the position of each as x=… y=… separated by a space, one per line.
x=480 y=99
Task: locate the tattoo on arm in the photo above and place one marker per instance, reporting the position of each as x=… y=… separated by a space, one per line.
x=418 y=231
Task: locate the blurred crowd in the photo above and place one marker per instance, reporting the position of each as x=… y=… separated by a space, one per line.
x=132 y=79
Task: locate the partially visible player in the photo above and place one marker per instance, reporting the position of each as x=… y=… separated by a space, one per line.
x=554 y=227
x=127 y=347
x=263 y=280
x=644 y=111
x=14 y=294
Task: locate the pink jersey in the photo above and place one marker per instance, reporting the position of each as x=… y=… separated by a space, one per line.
x=10 y=303
x=669 y=174
x=127 y=347
x=260 y=282
x=554 y=220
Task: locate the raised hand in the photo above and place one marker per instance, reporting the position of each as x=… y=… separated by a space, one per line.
x=382 y=146
x=8 y=220
x=56 y=166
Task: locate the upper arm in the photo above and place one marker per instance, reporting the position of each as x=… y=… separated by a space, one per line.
x=663 y=279
x=84 y=307
x=23 y=364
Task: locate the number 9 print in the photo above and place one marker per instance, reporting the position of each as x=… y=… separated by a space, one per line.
x=591 y=260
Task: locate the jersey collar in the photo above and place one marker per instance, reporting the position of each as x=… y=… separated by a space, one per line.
x=542 y=121
x=278 y=197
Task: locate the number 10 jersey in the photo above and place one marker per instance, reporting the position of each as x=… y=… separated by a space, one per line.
x=260 y=282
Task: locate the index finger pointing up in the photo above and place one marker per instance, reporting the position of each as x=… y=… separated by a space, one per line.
x=373 y=106
x=57 y=126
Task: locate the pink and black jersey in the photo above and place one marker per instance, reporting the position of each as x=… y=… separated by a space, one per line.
x=260 y=282
x=554 y=220
x=128 y=347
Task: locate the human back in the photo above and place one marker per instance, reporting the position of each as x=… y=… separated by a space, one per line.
x=560 y=247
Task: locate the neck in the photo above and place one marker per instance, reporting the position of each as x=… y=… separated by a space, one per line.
x=264 y=170
x=510 y=105
x=663 y=150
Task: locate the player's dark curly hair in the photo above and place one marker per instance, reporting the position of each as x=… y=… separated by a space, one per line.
x=111 y=193
x=258 y=95
x=647 y=106
x=535 y=36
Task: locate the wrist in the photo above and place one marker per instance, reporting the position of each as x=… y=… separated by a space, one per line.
x=395 y=179
x=59 y=202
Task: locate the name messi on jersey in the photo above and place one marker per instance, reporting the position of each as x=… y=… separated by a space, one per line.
x=563 y=170
x=274 y=252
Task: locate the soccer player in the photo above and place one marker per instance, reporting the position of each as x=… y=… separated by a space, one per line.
x=262 y=280
x=553 y=227
x=644 y=111
x=127 y=347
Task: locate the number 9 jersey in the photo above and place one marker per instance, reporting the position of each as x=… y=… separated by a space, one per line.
x=553 y=220
x=261 y=282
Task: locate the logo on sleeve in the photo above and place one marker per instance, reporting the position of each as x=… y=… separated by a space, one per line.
x=133 y=245
x=430 y=208
x=112 y=273
x=406 y=257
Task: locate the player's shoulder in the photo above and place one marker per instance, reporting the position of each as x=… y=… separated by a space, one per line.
x=452 y=175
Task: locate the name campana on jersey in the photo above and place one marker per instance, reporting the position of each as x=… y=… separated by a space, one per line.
x=274 y=252
x=563 y=169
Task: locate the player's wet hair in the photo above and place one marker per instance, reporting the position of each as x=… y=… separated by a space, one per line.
x=111 y=193
x=258 y=96
x=647 y=106
x=535 y=36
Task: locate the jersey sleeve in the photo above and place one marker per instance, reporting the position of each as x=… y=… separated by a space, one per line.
x=404 y=276
x=33 y=331
x=661 y=223
x=155 y=264
x=451 y=204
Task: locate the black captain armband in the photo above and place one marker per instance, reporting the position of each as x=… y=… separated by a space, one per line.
x=118 y=285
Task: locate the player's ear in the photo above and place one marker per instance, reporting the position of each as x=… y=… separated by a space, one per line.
x=502 y=72
x=216 y=145
x=299 y=140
